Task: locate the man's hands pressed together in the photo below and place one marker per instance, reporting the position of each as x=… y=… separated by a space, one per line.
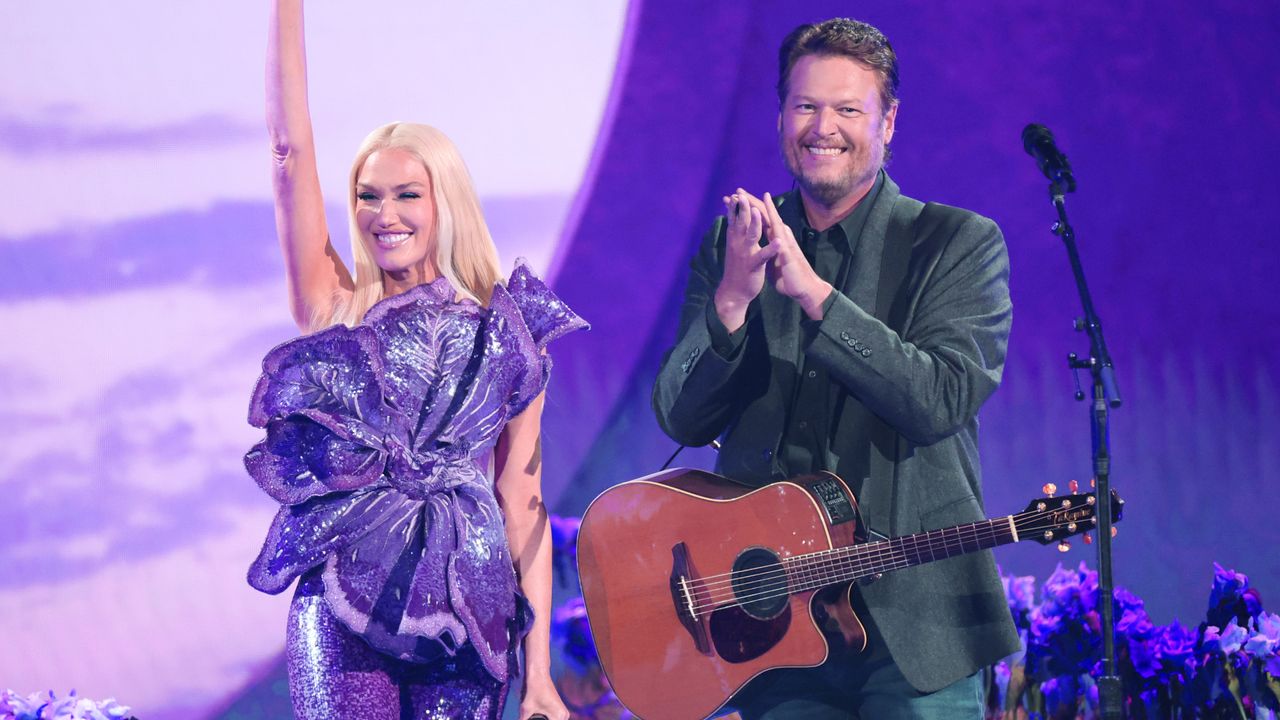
x=746 y=263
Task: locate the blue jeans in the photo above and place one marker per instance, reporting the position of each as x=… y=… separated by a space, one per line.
x=852 y=686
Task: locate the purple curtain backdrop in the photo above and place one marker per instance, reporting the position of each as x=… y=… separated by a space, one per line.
x=1168 y=112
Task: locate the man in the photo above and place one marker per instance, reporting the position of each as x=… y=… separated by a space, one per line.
x=860 y=336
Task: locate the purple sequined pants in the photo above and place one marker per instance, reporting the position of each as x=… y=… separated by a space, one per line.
x=335 y=675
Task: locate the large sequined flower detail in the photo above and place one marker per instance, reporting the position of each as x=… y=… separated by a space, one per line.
x=321 y=400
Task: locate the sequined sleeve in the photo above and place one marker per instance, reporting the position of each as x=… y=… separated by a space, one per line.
x=546 y=315
x=547 y=318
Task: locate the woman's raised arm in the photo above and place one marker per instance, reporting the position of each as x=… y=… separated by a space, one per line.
x=316 y=275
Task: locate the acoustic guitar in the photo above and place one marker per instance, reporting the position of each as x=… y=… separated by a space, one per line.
x=694 y=584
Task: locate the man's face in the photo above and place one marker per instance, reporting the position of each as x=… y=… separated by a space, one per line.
x=831 y=128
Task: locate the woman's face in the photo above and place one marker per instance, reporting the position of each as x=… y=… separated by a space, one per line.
x=396 y=215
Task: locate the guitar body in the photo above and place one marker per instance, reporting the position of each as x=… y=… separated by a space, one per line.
x=675 y=635
x=694 y=585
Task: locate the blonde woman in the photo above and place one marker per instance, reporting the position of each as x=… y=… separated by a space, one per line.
x=423 y=580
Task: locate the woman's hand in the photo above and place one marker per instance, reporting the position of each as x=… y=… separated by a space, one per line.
x=541 y=698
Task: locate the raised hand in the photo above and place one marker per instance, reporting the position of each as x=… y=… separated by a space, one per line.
x=790 y=270
x=315 y=272
x=744 y=259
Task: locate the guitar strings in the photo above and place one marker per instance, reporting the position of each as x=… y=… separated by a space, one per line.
x=851 y=557
x=782 y=581
x=766 y=580
x=711 y=581
x=815 y=570
x=862 y=549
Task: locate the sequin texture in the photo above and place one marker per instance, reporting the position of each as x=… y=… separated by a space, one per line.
x=334 y=674
x=374 y=439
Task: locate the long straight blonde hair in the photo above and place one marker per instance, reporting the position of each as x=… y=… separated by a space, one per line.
x=465 y=253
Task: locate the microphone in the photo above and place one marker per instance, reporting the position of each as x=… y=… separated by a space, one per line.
x=1039 y=144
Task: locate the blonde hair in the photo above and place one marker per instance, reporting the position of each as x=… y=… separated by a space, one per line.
x=465 y=253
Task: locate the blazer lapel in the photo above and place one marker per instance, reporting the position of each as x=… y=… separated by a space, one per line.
x=781 y=314
x=863 y=282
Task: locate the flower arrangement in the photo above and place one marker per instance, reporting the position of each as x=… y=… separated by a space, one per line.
x=582 y=683
x=1228 y=667
x=47 y=706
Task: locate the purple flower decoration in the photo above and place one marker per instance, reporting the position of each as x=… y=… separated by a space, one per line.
x=1062 y=695
x=1020 y=593
x=1264 y=643
x=564 y=543
x=570 y=630
x=1225 y=599
x=376 y=445
x=1227 y=585
x=1131 y=615
x=1002 y=675
x=1252 y=601
x=1064 y=637
x=1072 y=590
x=48 y=706
x=1144 y=652
x=1227 y=641
x=1175 y=644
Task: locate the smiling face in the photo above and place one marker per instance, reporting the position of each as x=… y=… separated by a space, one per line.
x=396 y=215
x=832 y=130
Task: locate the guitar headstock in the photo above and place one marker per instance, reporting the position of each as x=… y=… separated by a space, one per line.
x=1054 y=519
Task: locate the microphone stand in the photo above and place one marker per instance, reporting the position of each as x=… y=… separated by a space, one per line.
x=1105 y=396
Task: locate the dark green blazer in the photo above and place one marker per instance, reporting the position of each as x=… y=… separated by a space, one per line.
x=915 y=345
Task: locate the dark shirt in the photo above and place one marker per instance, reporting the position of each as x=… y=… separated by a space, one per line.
x=806 y=443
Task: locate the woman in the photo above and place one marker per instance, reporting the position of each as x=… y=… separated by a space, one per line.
x=420 y=578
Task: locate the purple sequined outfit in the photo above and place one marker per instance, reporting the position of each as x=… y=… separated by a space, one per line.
x=375 y=440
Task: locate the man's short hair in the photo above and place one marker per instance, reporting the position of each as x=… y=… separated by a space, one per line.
x=841 y=37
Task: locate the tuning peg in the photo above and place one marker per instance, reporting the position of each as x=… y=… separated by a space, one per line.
x=1088 y=539
x=1049 y=489
x=1063 y=546
x=1073 y=486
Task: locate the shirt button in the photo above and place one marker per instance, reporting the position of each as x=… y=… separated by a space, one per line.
x=813 y=373
x=803 y=424
x=767 y=454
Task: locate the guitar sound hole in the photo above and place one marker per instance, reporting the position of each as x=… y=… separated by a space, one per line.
x=759 y=583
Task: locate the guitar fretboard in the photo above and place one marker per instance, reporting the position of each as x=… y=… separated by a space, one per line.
x=856 y=562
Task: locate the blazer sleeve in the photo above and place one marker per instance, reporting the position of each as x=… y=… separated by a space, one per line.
x=694 y=396
x=930 y=382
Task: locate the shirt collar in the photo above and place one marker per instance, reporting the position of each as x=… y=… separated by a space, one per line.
x=792 y=212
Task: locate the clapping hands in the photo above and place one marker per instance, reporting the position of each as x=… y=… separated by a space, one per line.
x=747 y=264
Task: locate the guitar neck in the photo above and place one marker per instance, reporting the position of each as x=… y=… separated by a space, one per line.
x=866 y=560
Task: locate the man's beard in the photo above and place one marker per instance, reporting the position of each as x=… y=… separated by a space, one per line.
x=830 y=190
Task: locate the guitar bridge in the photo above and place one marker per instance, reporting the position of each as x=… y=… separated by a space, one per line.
x=685 y=600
